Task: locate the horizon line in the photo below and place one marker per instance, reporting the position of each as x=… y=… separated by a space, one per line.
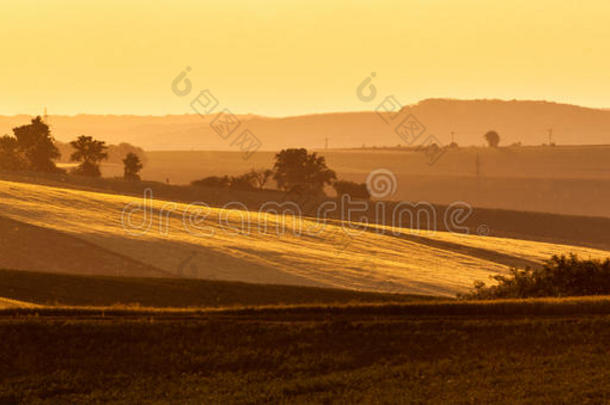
x=271 y=116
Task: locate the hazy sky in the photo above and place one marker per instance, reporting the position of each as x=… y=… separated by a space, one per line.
x=290 y=57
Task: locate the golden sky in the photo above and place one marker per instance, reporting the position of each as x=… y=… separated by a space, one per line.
x=292 y=57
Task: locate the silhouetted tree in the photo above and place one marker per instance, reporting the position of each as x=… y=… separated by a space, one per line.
x=246 y=181
x=132 y=166
x=10 y=157
x=354 y=190
x=295 y=168
x=492 y=138
x=90 y=152
x=36 y=144
x=261 y=177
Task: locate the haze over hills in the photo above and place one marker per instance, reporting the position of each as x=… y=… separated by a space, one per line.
x=516 y=121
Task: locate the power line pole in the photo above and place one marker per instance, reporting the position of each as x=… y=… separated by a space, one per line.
x=326 y=143
x=550 y=136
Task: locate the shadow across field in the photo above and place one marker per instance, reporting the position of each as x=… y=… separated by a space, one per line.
x=73 y=290
x=60 y=252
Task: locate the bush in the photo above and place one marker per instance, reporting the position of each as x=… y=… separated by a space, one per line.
x=213 y=181
x=244 y=182
x=253 y=180
x=560 y=276
x=354 y=190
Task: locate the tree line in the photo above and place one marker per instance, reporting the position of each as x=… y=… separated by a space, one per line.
x=294 y=171
x=32 y=147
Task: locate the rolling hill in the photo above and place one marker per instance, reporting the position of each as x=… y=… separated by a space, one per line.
x=216 y=243
x=516 y=121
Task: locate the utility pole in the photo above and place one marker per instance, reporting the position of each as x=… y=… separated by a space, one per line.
x=452 y=137
x=326 y=143
x=550 y=136
x=477 y=164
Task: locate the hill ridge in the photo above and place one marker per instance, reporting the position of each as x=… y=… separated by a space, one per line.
x=526 y=121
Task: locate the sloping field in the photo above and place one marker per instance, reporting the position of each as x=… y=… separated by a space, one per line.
x=37 y=248
x=235 y=245
x=7 y=303
x=515 y=252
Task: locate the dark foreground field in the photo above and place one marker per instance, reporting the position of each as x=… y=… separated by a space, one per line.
x=545 y=351
x=76 y=290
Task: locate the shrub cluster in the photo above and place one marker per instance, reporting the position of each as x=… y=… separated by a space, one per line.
x=253 y=180
x=560 y=276
x=295 y=171
x=354 y=190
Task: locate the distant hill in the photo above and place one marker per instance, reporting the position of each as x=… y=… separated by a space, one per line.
x=516 y=121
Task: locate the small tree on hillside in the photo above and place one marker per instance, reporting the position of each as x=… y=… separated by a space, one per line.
x=492 y=138
x=295 y=168
x=35 y=142
x=90 y=152
x=132 y=166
